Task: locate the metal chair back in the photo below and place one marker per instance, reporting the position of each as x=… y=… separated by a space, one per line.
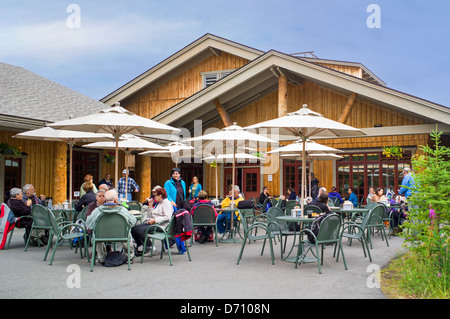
x=309 y=209
x=329 y=229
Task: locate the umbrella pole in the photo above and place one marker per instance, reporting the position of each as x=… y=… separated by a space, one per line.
x=70 y=175
x=232 y=187
x=310 y=162
x=217 y=183
x=116 y=165
x=126 y=177
x=303 y=193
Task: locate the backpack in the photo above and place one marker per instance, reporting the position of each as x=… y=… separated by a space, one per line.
x=245 y=204
x=115 y=258
x=315 y=227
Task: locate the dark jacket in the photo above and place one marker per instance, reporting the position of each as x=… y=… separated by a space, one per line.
x=85 y=200
x=18 y=207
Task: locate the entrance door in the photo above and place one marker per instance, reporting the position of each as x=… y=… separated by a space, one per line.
x=250 y=183
x=83 y=163
x=13 y=175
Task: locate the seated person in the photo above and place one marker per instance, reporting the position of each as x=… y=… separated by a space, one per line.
x=203 y=199
x=322 y=203
x=111 y=206
x=369 y=196
x=378 y=195
x=161 y=215
x=87 y=198
x=100 y=200
x=353 y=198
x=20 y=209
x=264 y=195
x=30 y=193
x=291 y=193
x=223 y=217
x=334 y=193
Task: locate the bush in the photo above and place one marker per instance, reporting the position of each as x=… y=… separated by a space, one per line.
x=427 y=228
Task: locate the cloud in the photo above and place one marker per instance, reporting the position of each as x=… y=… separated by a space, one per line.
x=56 y=42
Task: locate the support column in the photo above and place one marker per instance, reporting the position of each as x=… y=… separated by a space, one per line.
x=282 y=95
x=143 y=176
x=60 y=173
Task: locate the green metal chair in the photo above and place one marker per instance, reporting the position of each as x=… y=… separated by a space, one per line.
x=334 y=201
x=204 y=216
x=280 y=229
x=135 y=205
x=329 y=233
x=309 y=209
x=66 y=231
x=111 y=227
x=376 y=222
x=41 y=221
x=163 y=234
x=290 y=204
x=263 y=211
x=357 y=231
x=248 y=234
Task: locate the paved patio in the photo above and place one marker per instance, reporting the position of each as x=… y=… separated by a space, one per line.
x=212 y=273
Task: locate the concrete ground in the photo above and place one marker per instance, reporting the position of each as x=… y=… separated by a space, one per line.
x=212 y=274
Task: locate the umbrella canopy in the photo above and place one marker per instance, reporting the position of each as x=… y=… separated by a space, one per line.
x=310 y=147
x=70 y=137
x=304 y=124
x=171 y=150
x=129 y=144
x=230 y=137
x=223 y=158
x=116 y=121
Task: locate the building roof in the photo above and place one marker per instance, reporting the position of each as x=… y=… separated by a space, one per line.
x=28 y=100
x=256 y=79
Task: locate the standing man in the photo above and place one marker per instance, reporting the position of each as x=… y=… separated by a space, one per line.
x=131 y=187
x=407 y=183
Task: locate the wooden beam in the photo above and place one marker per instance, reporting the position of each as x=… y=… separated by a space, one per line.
x=223 y=114
x=282 y=95
x=348 y=107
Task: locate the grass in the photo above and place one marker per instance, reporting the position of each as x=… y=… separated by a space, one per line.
x=412 y=277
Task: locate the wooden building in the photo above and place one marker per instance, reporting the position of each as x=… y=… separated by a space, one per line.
x=213 y=82
x=218 y=81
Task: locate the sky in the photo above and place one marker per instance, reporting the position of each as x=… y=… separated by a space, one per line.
x=96 y=46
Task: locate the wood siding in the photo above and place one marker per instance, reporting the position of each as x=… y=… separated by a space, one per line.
x=183 y=85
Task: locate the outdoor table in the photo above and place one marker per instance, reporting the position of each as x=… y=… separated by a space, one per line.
x=232 y=230
x=351 y=211
x=67 y=212
x=302 y=221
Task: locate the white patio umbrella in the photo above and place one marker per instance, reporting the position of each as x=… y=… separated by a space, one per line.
x=229 y=137
x=129 y=144
x=224 y=157
x=312 y=157
x=116 y=121
x=171 y=150
x=70 y=137
x=304 y=124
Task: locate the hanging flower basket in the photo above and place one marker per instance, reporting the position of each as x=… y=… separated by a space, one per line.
x=110 y=157
x=214 y=164
x=7 y=150
x=394 y=152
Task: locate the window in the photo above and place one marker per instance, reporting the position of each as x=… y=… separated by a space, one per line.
x=363 y=170
x=293 y=175
x=209 y=78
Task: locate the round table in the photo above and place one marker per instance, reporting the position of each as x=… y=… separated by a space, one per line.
x=302 y=221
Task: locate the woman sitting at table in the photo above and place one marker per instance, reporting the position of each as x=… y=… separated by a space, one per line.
x=264 y=195
x=378 y=195
x=226 y=203
x=204 y=231
x=160 y=215
x=87 y=198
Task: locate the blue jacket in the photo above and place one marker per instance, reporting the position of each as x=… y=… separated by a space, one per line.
x=354 y=199
x=197 y=189
x=171 y=190
x=408 y=181
x=335 y=194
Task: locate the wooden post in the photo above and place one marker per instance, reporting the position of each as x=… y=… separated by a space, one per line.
x=223 y=114
x=144 y=176
x=348 y=107
x=60 y=173
x=282 y=95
